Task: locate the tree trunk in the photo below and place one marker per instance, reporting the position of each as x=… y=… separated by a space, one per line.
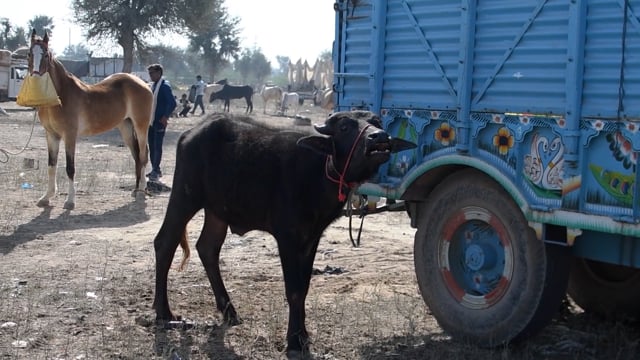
x=126 y=41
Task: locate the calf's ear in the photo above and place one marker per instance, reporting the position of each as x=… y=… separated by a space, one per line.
x=321 y=144
x=398 y=145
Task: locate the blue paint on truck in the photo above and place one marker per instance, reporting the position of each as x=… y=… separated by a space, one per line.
x=527 y=119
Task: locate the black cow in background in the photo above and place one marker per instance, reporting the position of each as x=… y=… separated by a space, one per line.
x=290 y=184
x=230 y=92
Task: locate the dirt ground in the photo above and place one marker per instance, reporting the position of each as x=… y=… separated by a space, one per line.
x=79 y=284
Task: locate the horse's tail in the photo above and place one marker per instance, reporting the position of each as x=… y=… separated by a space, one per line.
x=184 y=244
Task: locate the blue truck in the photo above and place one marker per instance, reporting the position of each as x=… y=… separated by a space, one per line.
x=527 y=119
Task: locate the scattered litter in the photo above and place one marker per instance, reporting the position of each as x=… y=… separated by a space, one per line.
x=328 y=270
x=91 y=295
x=8 y=325
x=74 y=242
x=327 y=253
x=26 y=185
x=20 y=344
x=179 y=324
x=100 y=146
x=175 y=324
x=100 y=278
x=143 y=321
x=29 y=163
x=301 y=120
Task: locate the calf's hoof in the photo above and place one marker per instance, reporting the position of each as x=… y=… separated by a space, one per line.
x=231 y=318
x=298 y=355
x=298 y=346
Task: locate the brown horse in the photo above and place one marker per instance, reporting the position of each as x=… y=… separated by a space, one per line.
x=121 y=100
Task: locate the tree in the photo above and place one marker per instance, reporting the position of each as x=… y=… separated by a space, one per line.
x=17 y=39
x=6 y=29
x=326 y=55
x=174 y=60
x=283 y=64
x=253 y=66
x=11 y=37
x=40 y=24
x=243 y=65
x=212 y=33
x=128 y=22
x=76 y=52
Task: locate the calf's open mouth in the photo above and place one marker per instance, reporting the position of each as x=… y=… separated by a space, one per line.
x=379 y=148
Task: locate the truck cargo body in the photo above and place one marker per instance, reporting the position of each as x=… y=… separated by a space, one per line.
x=527 y=119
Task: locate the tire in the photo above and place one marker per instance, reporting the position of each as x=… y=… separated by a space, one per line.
x=606 y=290
x=481 y=270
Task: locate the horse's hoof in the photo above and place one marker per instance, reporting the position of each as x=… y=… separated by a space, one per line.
x=69 y=205
x=43 y=203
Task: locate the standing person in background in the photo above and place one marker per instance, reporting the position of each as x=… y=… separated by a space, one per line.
x=200 y=86
x=163 y=105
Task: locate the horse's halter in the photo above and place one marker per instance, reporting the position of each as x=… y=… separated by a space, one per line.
x=38 y=54
x=340 y=180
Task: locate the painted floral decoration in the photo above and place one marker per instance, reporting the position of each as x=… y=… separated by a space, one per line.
x=445 y=134
x=503 y=140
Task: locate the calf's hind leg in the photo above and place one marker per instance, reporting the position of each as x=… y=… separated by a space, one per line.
x=165 y=244
x=209 y=245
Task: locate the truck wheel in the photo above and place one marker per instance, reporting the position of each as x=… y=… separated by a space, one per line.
x=607 y=290
x=481 y=270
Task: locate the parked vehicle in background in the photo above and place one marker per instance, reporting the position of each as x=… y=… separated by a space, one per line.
x=523 y=186
x=13 y=69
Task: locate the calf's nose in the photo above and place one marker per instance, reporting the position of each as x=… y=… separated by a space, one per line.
x=378 y=136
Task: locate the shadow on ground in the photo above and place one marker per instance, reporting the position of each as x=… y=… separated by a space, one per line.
x=129 y=214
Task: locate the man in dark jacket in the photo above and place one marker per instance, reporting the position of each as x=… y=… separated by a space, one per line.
x=163 y=105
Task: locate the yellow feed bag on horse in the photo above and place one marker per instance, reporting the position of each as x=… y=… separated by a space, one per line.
x=38 y=91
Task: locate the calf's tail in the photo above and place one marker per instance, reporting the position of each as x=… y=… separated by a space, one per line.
x=184 y=244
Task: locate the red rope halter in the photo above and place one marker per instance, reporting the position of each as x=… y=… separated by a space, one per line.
x=340 y=181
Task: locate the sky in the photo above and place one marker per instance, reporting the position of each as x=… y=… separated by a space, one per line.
x=299 y=29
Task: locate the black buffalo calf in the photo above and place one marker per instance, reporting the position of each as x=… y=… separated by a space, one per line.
x=249 y=177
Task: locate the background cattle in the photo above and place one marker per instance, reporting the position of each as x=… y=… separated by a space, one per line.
x=210 y=89
x=250 y=177
x=229 y=92
x=324 y=99
x=270 y=93
x=290 y=100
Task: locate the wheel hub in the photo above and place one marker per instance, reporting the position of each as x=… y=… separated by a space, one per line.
x=478 y=257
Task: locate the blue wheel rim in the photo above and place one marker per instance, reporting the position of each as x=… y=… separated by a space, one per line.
x=476 y=257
